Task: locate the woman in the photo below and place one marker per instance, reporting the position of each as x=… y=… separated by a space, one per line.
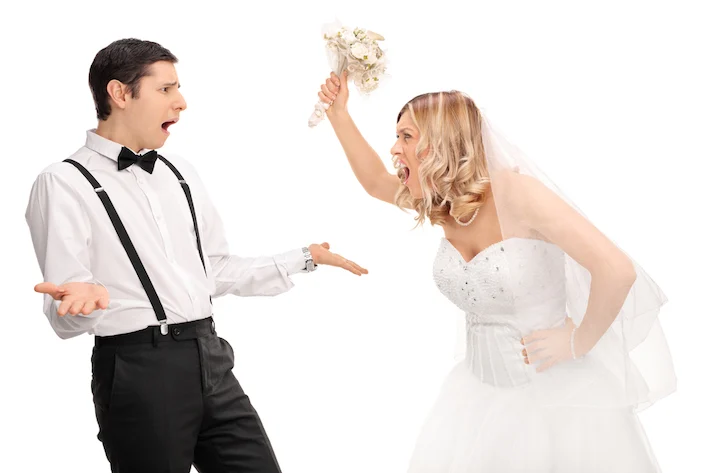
x=563 y=345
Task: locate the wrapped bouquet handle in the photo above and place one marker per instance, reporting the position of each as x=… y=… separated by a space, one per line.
x=356 y=50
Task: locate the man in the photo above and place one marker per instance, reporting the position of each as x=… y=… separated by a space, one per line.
x=119 y=219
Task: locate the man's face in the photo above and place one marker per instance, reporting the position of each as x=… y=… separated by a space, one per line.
x=158 y=106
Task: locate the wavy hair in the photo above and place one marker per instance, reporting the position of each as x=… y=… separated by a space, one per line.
x=454 y=175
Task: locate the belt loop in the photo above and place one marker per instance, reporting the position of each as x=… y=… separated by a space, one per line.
x=155 y=337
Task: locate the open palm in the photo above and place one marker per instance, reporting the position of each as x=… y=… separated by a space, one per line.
x=322 y=255
x=77 y=297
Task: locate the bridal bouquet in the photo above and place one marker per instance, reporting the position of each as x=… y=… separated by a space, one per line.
x=358 y=51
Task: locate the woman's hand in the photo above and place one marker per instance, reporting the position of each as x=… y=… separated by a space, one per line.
x=549 y=346
x=335 y=93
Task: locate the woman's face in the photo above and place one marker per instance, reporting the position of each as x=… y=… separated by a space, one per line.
x=404 y=153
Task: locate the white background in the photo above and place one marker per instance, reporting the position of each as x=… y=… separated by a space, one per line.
x=609 y=98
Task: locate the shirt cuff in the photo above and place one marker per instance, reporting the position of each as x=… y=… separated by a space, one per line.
x=293 y=261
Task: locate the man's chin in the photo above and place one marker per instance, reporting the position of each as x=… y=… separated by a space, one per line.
x=156 y=144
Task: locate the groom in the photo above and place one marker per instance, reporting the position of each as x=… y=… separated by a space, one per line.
x=119 y=218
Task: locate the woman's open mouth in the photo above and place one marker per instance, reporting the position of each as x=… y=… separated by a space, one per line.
x=406 y=173
x=402 y=171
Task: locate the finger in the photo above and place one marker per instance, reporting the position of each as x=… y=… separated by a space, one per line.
x=323 y=98
x=325 y=245
x=343 y=81
x=88 y=308
x=103 y=302
x=349 y=266
x=534 y=337
x=341 y=261
x=330 y=96
x=359 y=268
x=526 y=360
x=539 y=355
x=46 y=288
x=76 y=307
x=344 y=263
x=335 y=79
x=64 y=307
x=545 y=366
x=332 y=87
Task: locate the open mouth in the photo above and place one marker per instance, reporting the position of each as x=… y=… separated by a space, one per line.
x=402 y=171
x=167 y=125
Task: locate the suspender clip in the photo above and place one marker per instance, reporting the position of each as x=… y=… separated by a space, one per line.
x=163 y=327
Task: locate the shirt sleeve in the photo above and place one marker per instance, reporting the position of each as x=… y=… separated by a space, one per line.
x=61 y=235
x=245 y=276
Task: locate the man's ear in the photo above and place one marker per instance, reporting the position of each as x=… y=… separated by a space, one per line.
x=117 y=91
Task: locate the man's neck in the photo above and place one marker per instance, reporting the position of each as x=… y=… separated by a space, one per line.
x=110 y=130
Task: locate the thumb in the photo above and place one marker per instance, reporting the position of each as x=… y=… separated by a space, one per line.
x=325 y=245
x=45 y=287
x=343 y=81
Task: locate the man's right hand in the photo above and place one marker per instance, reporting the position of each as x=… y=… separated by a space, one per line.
x=76 y=297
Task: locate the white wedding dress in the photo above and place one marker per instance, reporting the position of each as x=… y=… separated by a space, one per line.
x=495 y=414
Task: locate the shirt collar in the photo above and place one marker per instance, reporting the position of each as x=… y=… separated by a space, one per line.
x=104 y=146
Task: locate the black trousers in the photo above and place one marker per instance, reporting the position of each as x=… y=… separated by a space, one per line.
x=167 y=402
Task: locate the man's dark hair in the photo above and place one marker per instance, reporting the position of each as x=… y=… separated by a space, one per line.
x=126 y=60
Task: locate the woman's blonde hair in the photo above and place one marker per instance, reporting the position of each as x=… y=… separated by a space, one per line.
x=454 y=175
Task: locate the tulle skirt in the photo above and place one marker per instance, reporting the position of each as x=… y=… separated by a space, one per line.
x=565 y=420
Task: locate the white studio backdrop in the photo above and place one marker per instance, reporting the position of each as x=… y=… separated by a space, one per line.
x=344 y=369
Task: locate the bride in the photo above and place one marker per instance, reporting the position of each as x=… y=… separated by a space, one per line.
x=562 y=342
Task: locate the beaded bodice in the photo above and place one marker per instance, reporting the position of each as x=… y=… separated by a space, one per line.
x=507 y=290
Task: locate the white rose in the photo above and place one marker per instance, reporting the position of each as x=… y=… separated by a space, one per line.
x=359 y=50
x=349 y=37
x=371 y=56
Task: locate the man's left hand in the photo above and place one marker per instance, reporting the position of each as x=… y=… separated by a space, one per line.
x=322 y=255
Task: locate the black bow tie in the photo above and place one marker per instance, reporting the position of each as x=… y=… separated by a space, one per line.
x=127 y=158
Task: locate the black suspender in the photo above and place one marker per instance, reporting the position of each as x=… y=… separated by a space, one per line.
x=128 y=244
x=188 y=194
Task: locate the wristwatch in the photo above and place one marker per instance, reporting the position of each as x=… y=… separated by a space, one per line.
x=310 y=265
